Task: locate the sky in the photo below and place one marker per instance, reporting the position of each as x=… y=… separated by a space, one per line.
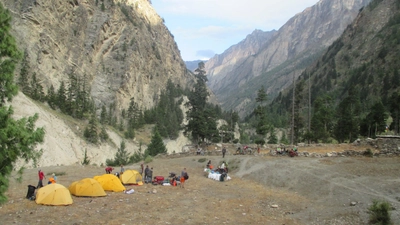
x=203 y=28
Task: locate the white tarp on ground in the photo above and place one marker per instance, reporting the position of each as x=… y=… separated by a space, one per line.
x=215 y=176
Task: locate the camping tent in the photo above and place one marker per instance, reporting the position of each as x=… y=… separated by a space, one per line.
x=87 y=187
x=110 y=182
x=53 y=194
x=131 y=177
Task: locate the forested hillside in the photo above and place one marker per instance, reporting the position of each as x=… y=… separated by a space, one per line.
x=353 y=89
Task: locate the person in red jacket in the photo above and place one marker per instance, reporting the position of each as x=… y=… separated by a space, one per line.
x=41 y=177
x=109 y=169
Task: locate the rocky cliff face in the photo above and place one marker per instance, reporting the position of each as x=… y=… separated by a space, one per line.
x=121 y=47
x=273 y=61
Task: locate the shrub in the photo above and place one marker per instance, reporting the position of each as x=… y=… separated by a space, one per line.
x=379 y=213
x=86 y=160
x=148 y=159
x=368 y=153
x=202 y=160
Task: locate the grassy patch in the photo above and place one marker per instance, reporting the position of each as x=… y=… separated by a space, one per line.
x=379 y=213
x=202 y=160
x=56 y=173
x=233 y=164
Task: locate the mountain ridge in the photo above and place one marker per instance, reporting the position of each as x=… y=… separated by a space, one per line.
x=303 y=36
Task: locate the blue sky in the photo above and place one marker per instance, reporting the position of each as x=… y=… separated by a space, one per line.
x=203 y=28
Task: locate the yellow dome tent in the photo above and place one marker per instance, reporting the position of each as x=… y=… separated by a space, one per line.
x=53 y=194
x=131 y=177
x=87 y=187
x=110 y=182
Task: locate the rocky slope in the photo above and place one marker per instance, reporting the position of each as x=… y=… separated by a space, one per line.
x=276 y=58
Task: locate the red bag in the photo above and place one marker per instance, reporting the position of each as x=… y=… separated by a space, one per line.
x=159 y=179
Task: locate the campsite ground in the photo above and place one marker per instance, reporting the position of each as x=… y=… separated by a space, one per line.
x=306 y=190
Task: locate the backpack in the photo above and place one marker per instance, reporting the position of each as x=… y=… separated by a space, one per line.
x=186 y=176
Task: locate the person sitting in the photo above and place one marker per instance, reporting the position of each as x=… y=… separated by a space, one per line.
x=208 y=164
x=198 y=151
x=224 y=167
x=51 y=181
x=54 y=177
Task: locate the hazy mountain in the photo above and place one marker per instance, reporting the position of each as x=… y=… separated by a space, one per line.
x=192 y=65
x=273 y=58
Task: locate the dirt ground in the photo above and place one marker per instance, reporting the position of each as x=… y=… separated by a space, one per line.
x=305 y=190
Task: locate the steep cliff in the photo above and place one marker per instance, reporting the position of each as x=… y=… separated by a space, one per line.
x=235 y=80
x=121 y=47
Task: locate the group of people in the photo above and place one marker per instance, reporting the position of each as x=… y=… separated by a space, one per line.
x=182 y=178
x=221 y=169
x=109 y=170
x=148 y=174
x=283 y=151
x=52 y=179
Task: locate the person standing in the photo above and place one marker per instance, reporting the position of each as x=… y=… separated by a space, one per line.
x=122 y=169
x=142 y=169
x=151 y=173
x=146 y=174
x=223 y=152
x=41 y=177
x=184 y=177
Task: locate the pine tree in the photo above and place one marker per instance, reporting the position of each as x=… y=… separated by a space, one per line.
x=322 y=120
x=103 y=134
x=51 y=97
x=122 y=155
x=375 y=121
x=260 y=111
x=200 y=121
x=156 y=145
x=272 y=136
x=395 y=112
x=36 y=89
x=347 y=126
x=103 y=115
x=90 y=132
x=24 y=75
x=61 y=99
x=18 y=138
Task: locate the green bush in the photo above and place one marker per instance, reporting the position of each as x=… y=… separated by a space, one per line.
x=148 y=159
x=379 y=213
x=202 y=160
x=368 y=153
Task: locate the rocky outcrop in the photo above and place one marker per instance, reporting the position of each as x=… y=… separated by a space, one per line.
x=237 y=74
x=121 y=48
